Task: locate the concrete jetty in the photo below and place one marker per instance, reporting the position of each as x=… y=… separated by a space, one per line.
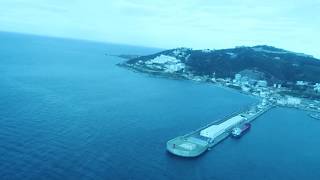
x=199 y=141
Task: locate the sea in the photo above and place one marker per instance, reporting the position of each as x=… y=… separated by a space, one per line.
x=67 y=111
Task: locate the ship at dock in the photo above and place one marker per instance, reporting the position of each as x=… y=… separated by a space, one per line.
x=199 y=141
x=237 y=132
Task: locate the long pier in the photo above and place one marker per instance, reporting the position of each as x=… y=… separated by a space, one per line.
x=199 y=141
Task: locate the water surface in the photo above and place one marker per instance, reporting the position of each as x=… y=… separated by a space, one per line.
x=68 y=112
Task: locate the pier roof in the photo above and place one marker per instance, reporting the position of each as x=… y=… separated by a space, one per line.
x=215 y=130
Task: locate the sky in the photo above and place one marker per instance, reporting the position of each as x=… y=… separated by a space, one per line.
x=290 y=24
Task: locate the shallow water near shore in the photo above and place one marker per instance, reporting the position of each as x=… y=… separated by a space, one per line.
x=68 y=112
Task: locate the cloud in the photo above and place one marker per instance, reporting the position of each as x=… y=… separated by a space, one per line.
x=289 y=24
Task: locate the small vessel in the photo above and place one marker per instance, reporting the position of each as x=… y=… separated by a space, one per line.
x=237 y=132
x=315 y=116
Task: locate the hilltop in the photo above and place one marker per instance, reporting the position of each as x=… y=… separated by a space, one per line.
x=261 y=62
x=259 y=70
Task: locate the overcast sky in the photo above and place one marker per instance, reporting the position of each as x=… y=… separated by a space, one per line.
x=288 y=24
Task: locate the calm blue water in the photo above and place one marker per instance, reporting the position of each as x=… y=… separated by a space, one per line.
x=68 y=112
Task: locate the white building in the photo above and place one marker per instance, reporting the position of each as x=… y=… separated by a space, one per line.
x=237 y=77
x=293 y=101
x=301 y=83
x=216 y=130
x=245 y=88
x=167 y=63
x=282 y=101
x=263 y=94
x=317 y=87
x=279 y=86
x=262 y=83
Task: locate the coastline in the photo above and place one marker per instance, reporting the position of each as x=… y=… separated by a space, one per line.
x=180 y=76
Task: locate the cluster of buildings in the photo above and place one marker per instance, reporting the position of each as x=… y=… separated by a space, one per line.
x=164 y=63
x=315 y=87
x=289 y=101
x=271 y=93
x=247 y=84
x=274 y=93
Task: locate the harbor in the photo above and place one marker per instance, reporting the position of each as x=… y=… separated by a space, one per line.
x=199 y=141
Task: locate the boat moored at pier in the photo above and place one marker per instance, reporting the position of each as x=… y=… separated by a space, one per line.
x=199 y=141
x=237 y=132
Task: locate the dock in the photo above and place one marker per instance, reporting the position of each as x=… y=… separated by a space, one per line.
x=199 y=141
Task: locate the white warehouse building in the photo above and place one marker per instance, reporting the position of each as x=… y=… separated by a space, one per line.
x=216 y=130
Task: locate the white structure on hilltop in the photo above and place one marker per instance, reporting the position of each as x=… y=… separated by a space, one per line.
x=168 y=63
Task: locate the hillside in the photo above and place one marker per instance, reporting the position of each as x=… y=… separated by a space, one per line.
x=259 y=62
